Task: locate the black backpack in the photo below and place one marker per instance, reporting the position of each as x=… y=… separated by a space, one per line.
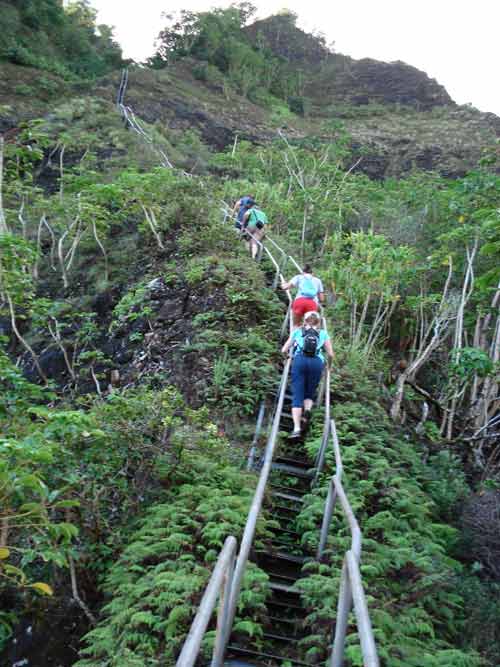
x=310 y=346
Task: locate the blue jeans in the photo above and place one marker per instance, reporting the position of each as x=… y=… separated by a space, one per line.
x=306 y=374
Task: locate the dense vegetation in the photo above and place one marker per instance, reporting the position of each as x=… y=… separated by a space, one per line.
x=62 y=40
x=228 y=54
x=137 y=342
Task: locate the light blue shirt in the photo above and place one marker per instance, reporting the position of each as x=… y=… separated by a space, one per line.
x=298 y=341
x=299 y=279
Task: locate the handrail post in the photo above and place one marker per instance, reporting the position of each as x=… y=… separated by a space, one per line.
x=343 y=609
x=258 y=426
x=320 y=458
x=327 y=518
x=339 y=467
x=222 y=632
x=321 y=391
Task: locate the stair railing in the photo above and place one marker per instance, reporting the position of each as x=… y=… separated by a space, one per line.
x=256 y=506
x=226 y=583
x=226 y=580
x=131 y=121
x=320 y=458
x=323 y=397
x=351 y=588
x=219 y=586
x=258 y=427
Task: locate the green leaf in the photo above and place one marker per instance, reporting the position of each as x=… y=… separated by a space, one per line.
x=248 y=627
x=45 y=589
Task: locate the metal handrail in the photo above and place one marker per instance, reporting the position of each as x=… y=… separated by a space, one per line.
x=219 y=586
x=225 y=578
x=351 y=587
x=290 y=257
x=320 y=458
x=232 y=589
x=256 y=506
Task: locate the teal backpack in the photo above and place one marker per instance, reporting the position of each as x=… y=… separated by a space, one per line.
x=307 y=288
x=257 y=218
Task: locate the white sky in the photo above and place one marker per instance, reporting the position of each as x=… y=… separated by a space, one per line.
x=456 y=42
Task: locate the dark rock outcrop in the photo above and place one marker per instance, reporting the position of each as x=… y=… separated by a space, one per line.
x=366 y=81
x=481 y=524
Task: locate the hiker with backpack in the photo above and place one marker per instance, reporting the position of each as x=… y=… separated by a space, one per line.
x=254 y=222
x=308 y=344
x=240 y=208
x=310 y=293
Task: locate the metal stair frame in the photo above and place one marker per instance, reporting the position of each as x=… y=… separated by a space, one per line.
x=351 y=589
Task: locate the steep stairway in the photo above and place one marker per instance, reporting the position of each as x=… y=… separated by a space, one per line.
x=285 y=478
x=281 y=558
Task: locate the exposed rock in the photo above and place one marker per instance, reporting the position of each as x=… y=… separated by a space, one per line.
x=481 y=522
x=364 y=81
x=287 y=41
x=104 y=302
x=398 y=117
x=42 y=636
x=170 y=311
x=52 y=364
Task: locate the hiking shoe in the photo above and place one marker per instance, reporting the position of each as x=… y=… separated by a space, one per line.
x=295 y=435
x=306 y=421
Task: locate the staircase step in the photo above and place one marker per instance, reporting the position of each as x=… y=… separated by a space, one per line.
x=287 y=606
x=294 y=452
x=283 y=588
x=298 y=463
x=279 y=619
x=287 y=545
x=280 y=638
x=283 y=578
x=293 y=533
x=289 y=489
x=262 y=654
x=287 y=496
x=283 y=508
x=292 y=470
x=283 y=555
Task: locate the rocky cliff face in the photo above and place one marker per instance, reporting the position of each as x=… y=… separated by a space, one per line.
x=368 y=81
x=333 y=77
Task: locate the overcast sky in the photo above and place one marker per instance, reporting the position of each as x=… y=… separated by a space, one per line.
x=456 y=42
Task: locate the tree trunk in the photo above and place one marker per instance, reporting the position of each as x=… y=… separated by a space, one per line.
x=3 y=224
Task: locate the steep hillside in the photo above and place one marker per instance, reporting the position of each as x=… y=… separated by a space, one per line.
x=137 y=341
x=392 y=140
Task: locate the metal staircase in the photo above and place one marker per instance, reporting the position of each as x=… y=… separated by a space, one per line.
x=285 y=476
x=281 y=558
